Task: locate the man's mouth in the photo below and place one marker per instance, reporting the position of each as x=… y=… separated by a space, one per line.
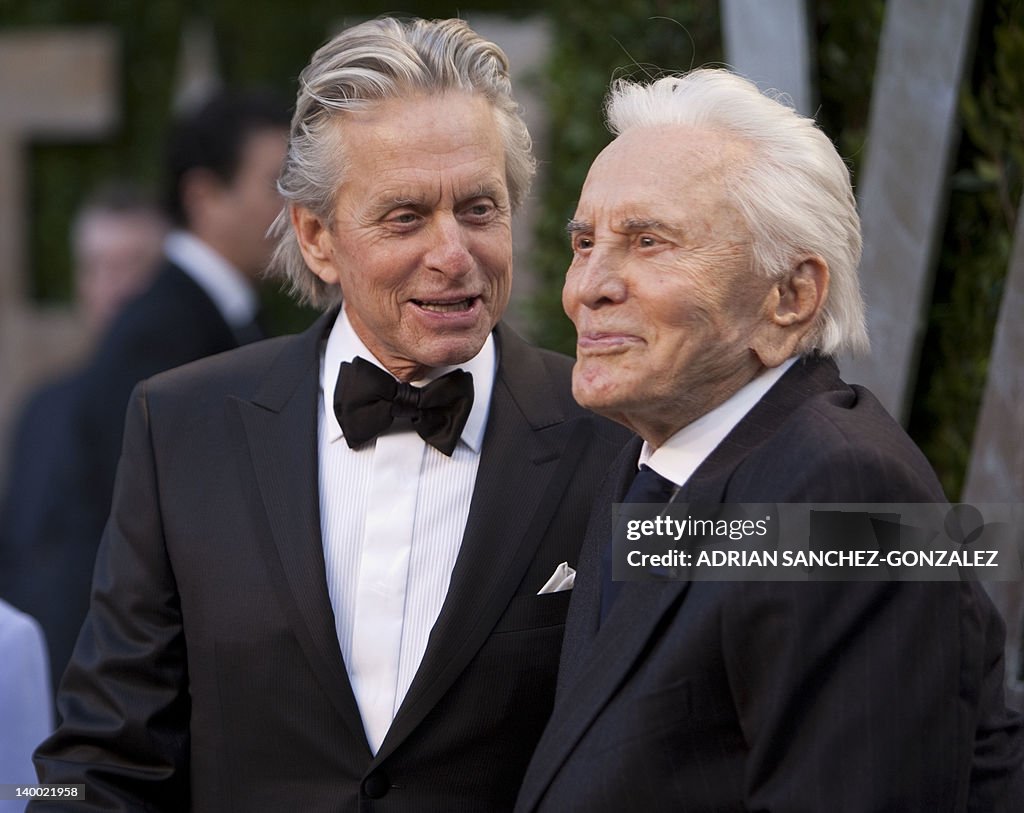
x=446 y=306
x=598 y=341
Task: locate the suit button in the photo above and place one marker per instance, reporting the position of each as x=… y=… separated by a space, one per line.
x=376 y=785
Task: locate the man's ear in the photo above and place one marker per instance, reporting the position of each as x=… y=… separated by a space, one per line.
x=791 y=309
x=801 y=294
x=315 y=243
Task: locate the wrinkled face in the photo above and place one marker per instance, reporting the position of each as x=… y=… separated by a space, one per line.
x=420 y=240
x=662 y=290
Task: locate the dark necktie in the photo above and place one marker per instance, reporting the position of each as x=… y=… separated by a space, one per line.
x=648 y=487
x=369 y=400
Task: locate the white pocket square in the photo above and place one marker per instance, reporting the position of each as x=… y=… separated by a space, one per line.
x=562 y=579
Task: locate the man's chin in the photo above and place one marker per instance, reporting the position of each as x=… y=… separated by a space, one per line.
x=596 y=388
x=450 y=353
x=600 y=403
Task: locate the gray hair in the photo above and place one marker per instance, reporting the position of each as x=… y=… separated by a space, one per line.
x=372 y=62
x=795 y=194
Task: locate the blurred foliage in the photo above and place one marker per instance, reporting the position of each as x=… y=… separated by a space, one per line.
x=846 y=50
x=60 y=175
x=592 y=44
x=975 y=254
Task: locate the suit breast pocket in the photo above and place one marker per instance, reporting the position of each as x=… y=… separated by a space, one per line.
x=534 y=612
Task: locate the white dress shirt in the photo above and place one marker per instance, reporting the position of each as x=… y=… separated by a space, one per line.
x=392 y=516
x=679 y=456
x=226 y=286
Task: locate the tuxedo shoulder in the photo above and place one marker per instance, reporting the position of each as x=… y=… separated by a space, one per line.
x=857 y=423
x=532 y=371
x=845 y=447
x=558 y=363
x=558 y=368
x=234 y=371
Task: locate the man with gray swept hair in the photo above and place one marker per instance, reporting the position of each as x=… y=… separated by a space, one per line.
x=338 y=564
x=714 y=278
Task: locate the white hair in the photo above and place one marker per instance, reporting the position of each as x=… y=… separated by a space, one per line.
x=794 y=193
x=369 y=63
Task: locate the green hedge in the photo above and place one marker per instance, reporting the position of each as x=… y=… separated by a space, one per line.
x=985 y=194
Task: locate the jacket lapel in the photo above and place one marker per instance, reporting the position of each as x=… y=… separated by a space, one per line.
x=277 y=433
x=596 y=661
x=581 y=625
x=529 y=454
x=597 y=672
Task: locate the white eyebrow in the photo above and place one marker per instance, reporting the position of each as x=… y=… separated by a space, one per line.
x=629 y=225
x=642 y=224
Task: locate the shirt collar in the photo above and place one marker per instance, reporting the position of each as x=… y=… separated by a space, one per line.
x=679 y=456
x=220 y=280
x=344 y=345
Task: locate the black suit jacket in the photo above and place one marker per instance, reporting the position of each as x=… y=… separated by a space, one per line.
x=67 y=446
x=828 y=696
x=209 y=675
x=171 y=323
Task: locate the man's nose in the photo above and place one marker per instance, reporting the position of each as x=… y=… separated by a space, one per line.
x=449 y=252
x=599 y=279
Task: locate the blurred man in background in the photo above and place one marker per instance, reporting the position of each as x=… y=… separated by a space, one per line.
x=116 y=239
x=221 y=170
x=117 y=236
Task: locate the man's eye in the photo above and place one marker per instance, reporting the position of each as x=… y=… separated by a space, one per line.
x=403 y=218
x=480 y=210
x=647 y=242
x=583 y=243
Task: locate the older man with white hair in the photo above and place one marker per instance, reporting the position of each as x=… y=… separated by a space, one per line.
x=713 y=281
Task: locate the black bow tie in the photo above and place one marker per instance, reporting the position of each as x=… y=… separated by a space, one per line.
x=368 y=400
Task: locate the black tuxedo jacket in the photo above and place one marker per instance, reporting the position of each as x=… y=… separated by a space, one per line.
x=209 y=676
x=836 y=696
x=67 y=446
